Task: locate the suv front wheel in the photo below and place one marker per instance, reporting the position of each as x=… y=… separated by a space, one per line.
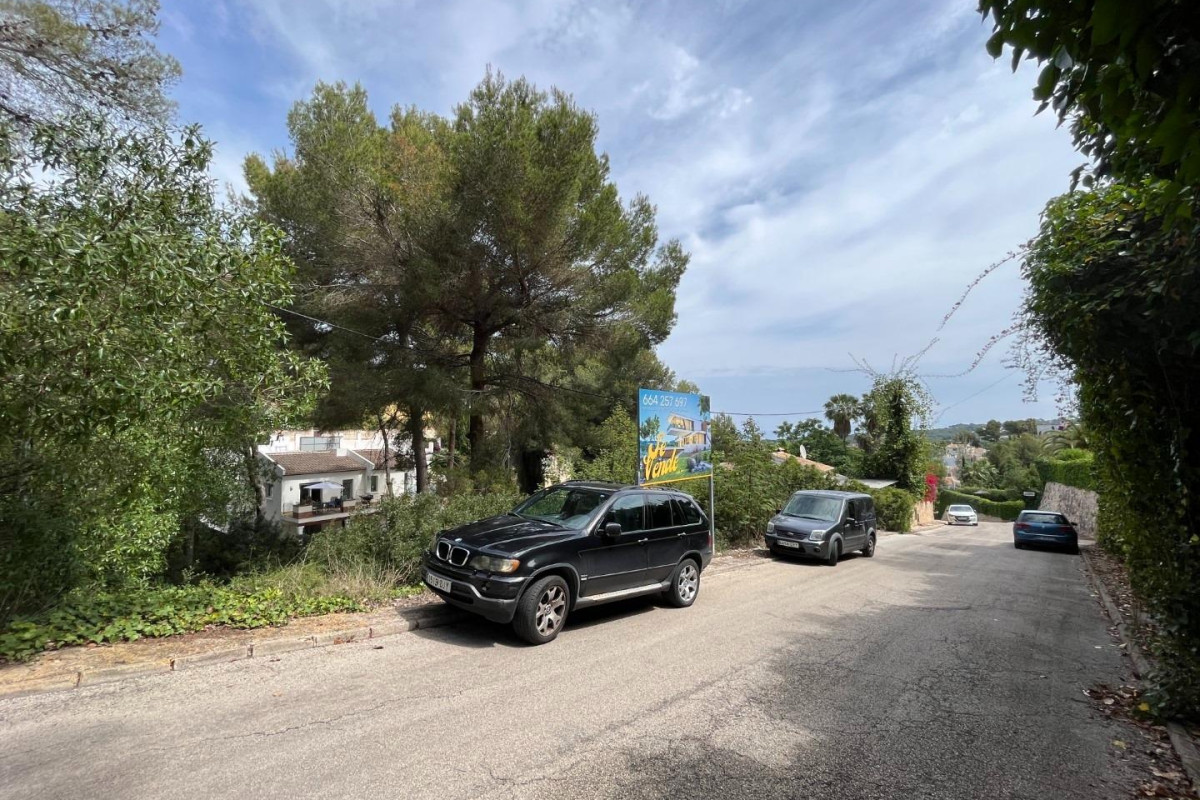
x=685 y=584
x=542 y=610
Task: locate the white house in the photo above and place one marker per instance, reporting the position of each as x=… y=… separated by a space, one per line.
x=315 y=478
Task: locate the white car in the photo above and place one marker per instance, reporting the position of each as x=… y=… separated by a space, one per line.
x=961 y=515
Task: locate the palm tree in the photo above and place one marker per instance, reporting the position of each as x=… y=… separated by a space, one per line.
x=842 y=410
x=1075 y=436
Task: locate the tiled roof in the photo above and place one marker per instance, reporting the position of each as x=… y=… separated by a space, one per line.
x=376 y=457
x=315 y=463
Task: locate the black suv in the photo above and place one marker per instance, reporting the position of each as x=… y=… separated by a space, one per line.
x=823 y=525
x=572 y=545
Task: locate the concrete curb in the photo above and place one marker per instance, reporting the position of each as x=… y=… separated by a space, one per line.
x=432 y=615
x=1141 y=667
x=1180 y=739
x=1186 y=748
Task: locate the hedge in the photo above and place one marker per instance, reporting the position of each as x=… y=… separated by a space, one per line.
x=1074 y=470
x=894 y=509
x=1005 y=510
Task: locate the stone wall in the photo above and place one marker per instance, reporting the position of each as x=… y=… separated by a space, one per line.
x=1079 y=506
x=922 y=513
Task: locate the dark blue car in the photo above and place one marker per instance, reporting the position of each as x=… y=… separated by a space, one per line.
x=1045 y=527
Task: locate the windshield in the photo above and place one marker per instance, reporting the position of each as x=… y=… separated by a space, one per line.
x=569 y=507
x=811 y=506
x=961 y=509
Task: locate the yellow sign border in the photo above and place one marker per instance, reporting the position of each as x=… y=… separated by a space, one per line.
x=677 y=480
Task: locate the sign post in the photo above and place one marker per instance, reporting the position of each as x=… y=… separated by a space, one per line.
x=674 y=442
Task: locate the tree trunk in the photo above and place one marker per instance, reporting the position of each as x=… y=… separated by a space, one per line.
x=416 y=429
x=254 y=473
x=479 y=348
x=531 y=472
x=387 y=456
x=453 y=439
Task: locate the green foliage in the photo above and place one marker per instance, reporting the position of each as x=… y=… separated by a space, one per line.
x=1069 y=467
x=1112 y=300
x=1123 y=71
x=981 y=473
x=820 y=444
x=61 y=58
x=1005 y=509
x=489 y=252
x=1014 y=459
x=900 y=451
x=842 y=410
x=137 y=344
x=614 y=449
x=100 y=617
x=894 y=509
x=403 y=529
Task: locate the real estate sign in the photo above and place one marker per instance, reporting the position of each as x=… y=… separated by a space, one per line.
x=673 y=431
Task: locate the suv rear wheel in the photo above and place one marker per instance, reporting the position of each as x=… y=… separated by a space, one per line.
x=542 y=610
x=685 y=584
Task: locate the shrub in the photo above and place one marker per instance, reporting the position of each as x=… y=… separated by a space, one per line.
x=1069 y=467
x=1005 y=509
x=894 y=509
x=99 y=617
x=395 y=537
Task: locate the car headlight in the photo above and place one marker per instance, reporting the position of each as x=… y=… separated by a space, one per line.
x=492 y=564
x=817 y=536
x=770 y=527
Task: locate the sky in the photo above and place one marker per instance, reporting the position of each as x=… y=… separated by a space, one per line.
x=839 y=172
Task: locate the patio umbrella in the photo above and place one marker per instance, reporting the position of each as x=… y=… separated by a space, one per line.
x=323 y=485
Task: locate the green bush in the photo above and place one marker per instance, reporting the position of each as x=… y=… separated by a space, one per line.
x=101 y=617
x=1004 y=509
x=395 y=537
x=1069 y=467
x=894 y=509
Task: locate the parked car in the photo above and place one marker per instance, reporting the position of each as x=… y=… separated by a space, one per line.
x=823 y=525
x=1045 y=527
x=572 y=545
x=961 y=515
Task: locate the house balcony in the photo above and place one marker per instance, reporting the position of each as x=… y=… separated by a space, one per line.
x=308 y=513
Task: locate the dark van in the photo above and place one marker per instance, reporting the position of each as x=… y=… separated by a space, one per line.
x=823 y=525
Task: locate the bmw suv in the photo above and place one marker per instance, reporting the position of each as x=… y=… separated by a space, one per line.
x=572 y=545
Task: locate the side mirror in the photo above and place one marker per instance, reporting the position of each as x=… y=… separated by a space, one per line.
x=779 y=511
x=611 y=530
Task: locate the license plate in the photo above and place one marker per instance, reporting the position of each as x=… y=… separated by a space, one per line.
x=786 y=543
x=436 y=582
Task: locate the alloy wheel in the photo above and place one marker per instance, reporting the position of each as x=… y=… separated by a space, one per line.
x=688 y=583
x=551 y=609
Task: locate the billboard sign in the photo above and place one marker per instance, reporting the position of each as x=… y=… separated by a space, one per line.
x=673 y=434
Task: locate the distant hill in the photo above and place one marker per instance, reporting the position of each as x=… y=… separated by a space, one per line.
x=947 y=434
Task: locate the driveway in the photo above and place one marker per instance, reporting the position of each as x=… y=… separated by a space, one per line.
x=948 y=666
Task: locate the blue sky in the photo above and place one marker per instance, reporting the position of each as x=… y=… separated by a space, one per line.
x=838 y=171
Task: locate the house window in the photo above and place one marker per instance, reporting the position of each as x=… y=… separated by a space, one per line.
x=348 y=488
x=319 y=444
x=374 y=484
x=270 y=489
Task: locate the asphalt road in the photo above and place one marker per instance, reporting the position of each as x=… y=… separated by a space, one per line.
x=949 y=666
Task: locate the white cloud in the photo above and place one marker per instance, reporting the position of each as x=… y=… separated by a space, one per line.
x=838 y=171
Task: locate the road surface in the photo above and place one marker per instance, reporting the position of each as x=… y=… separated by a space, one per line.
x=948 y=666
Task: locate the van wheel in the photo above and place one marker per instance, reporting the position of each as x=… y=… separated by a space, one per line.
x=685 y=584
x=835 y=552
x=542 y=610
x=869 y=549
